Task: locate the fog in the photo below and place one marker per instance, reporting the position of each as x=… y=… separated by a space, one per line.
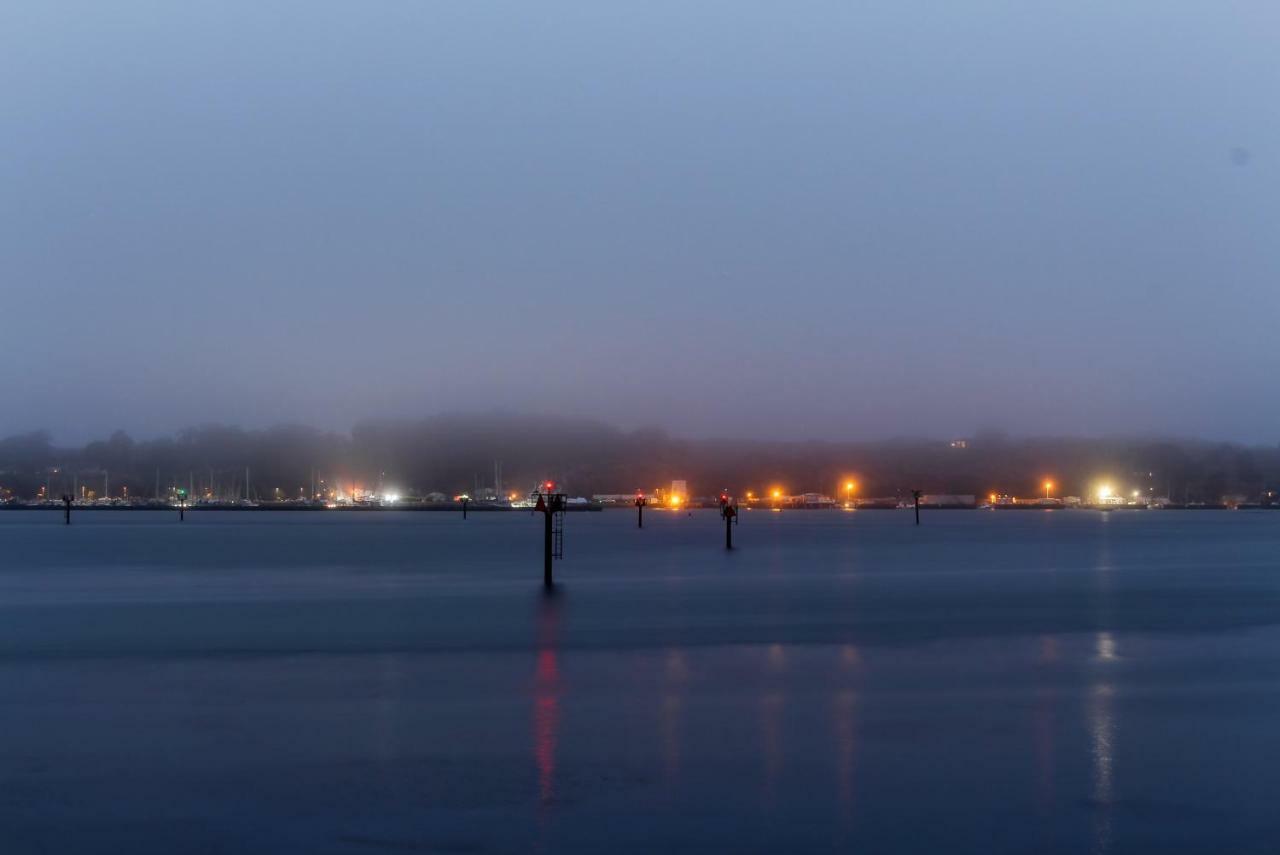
x=456 y=453
x=832 y=220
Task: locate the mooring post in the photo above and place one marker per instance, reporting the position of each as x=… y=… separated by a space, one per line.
x=639 y=511
x=728 y=513
x=915 y=495
x=464 y=507
x=66 y=508
x=546 y=546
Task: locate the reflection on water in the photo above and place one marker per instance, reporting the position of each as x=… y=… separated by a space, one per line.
x=772 y=703
x=843 y=726
x=1049 y=652
x=676 y=674
x=777 y=657
x=386 y=708
x=672 y=709
x=1045 y=706
x=1102 y=732
x=1105 y=646
x=546 y=696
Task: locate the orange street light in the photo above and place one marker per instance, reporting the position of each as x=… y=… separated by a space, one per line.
x=1048 y=485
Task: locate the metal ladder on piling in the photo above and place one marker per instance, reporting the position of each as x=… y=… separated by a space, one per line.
x=557 y=534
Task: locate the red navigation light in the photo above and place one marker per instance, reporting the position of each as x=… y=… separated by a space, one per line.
x=550 y=484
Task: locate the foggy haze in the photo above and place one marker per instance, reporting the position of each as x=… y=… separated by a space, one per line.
x=458 y=453
x=830 y=220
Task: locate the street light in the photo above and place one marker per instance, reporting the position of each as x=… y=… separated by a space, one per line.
x=1048 y=485
x=849 y=487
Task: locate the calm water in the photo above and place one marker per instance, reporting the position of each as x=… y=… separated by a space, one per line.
x=323 y=683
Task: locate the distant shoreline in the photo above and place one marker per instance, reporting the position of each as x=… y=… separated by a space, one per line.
x=441 y=508
x=595 y=507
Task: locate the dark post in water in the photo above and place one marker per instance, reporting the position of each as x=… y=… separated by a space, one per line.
x=464 y=499
x=182 y=505
x=915 y=496
x=552 y=506
x=728 y=513
x=66 y=507
x=639 y=510
x=547 y=550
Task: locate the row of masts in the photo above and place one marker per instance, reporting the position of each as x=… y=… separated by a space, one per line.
x=220 y=485
x=203 y=485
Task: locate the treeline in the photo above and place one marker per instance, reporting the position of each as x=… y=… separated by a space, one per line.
x=455 y=453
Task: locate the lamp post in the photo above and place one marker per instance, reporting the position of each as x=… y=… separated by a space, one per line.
x=848 y=493
x=1048 y=485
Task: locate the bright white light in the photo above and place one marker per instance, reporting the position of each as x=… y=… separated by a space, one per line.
x=393 y=497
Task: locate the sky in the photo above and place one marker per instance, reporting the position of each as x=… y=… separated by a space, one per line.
x=831 y=220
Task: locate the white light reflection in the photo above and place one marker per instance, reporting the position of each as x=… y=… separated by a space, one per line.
x=1105 y=645
x=1103 y=735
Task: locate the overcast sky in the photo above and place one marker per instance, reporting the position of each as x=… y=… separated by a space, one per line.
x=761 y=219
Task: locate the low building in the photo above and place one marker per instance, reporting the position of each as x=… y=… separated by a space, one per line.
x=946 y=500
x=614 y=498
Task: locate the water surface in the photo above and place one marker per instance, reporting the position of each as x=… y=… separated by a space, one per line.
x=341 y=683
